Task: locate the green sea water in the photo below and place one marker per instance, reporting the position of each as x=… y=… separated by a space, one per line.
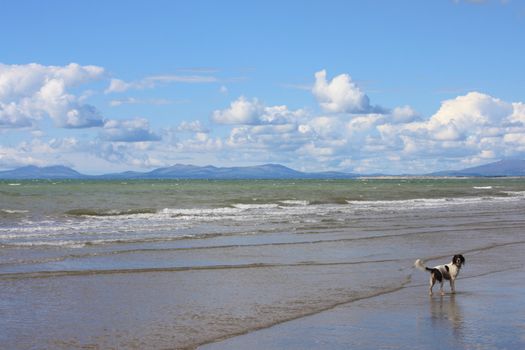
x=61 y=197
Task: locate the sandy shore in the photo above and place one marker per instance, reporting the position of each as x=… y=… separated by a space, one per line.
x=333 y=276
x=488 y=312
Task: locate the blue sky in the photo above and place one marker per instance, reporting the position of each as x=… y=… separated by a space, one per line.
x=360 y=86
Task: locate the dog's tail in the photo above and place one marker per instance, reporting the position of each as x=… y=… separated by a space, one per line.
x=420 y=265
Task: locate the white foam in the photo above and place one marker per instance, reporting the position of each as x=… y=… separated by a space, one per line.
x=198 y=211
x=68 y=244
x=295 y=202
x=515 y=193
x=255 y=206
x=13 y=211
x=410 y=204
x=169 y=223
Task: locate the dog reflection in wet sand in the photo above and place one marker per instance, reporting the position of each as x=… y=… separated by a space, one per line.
x=444 y=272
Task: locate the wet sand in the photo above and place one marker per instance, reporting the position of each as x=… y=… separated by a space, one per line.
x=488 y=312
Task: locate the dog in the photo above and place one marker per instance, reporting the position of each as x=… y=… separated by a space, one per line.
x=444 y=272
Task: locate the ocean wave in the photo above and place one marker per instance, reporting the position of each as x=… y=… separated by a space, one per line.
x=255 y=206
x=175 y=212
x=13 y=211
x=295 y=203
x=403 y=204
x=283 y=207
x=82 y=243
x=255 y=265
x=81 y=227
x=516 y=194
x=109 y=212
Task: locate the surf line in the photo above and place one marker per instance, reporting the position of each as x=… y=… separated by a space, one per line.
x=66 y=273
x=304 y=314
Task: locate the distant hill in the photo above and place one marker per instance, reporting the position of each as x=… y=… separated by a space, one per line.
x=266 y=171
x=178 y=171
x=501 y=168
x=34 y=172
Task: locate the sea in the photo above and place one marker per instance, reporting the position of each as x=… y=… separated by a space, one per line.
x=182 y=263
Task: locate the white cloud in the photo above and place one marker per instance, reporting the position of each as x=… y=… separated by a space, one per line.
x=13 y=116
x=11 y=157
x=137 y=101
x=241 y=111
x=118 y=85
x=39 y=152
x=341 y=95
x=472 y=128
x=350 y=134
x=518 y=113
x=472 y=111
x=405 y=114
x=30 y=92
x=131 y=130
x=252 y=112
x=194 y=126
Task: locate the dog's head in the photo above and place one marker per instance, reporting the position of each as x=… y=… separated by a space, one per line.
x=458 y=260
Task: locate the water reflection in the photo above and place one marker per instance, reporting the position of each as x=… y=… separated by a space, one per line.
x=445 y=311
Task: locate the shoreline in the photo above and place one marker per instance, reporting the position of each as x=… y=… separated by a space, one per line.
x=325 y=275
x=407 y=318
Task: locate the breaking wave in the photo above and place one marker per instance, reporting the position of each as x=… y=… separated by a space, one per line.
x=109 y=212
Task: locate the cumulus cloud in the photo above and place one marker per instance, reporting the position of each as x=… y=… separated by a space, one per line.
x=474 y=116
x=472 y=112
x=31 y=92
x=348 y=134
x=252 y=112
x=341 y=95
x=471 y=128
x=131 y=130
x=241 y=111
x=13 y=116
x=405 y=114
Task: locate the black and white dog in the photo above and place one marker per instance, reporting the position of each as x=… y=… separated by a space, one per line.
x=441 y=273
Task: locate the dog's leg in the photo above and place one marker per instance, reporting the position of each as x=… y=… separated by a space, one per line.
x=432 y=282
x=452 y=286
x=441 y=291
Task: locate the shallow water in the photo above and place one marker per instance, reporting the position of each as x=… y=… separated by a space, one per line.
x=175 y=264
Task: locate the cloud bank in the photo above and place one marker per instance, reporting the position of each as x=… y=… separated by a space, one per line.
x=344 y=131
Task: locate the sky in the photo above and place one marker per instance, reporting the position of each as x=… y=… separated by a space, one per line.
x=402 y=86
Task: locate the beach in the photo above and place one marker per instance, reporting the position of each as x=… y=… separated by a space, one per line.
x=260 y=264
x=486 y=313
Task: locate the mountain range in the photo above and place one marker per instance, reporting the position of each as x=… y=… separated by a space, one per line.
x=267 y=171
x=178 y=171
x=501 y=168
